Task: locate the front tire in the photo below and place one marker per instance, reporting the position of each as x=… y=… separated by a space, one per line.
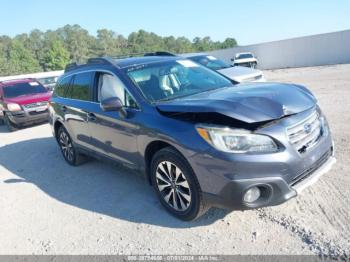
x=10 y=126
x=69 y=151
x=176 y=185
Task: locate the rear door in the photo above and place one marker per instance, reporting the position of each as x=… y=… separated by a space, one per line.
x=112 y=134
x=77 y=106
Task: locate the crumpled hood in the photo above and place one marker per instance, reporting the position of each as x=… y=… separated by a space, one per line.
x=250 y=103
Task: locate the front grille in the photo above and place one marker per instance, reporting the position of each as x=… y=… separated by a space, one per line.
x=34 y=113
x=305 y=134
x=308 y=172
x=34 y=105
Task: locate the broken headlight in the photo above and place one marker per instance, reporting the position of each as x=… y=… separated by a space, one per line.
x=236 y=141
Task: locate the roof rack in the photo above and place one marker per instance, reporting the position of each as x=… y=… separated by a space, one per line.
x=160 y=53
x=110 y=60
x=127 y=55
x=156 y=53
x=101 y=60
x=70 y=67
x=97 y=60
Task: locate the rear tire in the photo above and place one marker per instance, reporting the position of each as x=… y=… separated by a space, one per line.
x=68 y=149
x=10 y=126
x=176 y=185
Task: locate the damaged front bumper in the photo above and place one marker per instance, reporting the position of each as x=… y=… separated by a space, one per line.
x=281 y=176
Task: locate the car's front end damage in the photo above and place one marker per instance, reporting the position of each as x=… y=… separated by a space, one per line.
x=266 y=143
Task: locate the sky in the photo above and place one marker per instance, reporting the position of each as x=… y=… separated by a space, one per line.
x=249 y=21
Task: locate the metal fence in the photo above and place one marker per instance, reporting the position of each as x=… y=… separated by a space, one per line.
x=315 y=50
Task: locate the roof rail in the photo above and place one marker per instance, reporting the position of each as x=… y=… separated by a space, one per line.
x=110 y=60
x=96 y=60
x=127 y=55
x=159 y=53
x=101 y=60
x=70 y=67
x=156 y=53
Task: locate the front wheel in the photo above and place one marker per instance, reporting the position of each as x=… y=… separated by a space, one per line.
x=69 y=152
x=10 y=126
x=176 y=185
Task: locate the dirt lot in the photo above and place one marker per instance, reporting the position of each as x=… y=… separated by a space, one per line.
x=48 y=207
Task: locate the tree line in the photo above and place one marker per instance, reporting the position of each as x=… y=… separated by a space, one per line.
x=54 y=49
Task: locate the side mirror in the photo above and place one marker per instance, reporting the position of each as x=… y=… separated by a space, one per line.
x=113 y=104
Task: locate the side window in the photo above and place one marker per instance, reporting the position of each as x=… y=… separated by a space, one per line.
x=80 y=88
x=110 y=86
x=62 y=87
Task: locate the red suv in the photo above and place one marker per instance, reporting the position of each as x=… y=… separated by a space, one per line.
x=23 y=102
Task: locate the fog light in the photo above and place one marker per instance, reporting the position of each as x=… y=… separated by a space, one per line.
x=251 y=195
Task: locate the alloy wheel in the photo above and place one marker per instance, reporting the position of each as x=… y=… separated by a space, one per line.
x=173 y=186
x=66 y=146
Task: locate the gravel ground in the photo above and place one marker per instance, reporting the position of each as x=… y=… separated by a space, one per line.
x=49 y=207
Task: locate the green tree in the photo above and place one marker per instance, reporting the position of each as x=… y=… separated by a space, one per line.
x=20 y=60
x=3 y=60
x=183 y=45
x=142 y=41
x=228 y=43
x=36 y=45
x=56 y=57
x=110 y=43
x=77 y=41
x=51 y=50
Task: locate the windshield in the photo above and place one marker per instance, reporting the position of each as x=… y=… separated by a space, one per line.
x=21 y=89
x=173 y=79
x=244 y=56
x=48 y=80
x=210 y=62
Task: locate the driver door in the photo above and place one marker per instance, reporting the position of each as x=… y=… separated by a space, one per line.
x=111 y=134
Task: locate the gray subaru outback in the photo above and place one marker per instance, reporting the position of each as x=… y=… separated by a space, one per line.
x=200 y=139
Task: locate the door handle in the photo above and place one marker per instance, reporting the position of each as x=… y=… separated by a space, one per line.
x=91 y=117
x=63 y=108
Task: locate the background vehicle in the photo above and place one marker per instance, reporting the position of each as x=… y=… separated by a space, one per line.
x=236 y=73
x=23 y=102
x=245 y=59
x=47 y=79
x=199 y=139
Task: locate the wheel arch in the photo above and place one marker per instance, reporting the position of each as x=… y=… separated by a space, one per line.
x=151 y=149
x=56 y=127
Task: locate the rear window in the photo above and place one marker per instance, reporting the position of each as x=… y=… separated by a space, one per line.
x=244 y=56
x=80 y=89
x=23 y=89
x=62 y=87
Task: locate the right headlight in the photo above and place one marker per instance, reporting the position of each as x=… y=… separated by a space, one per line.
x=13 y=107
x=236 y=141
